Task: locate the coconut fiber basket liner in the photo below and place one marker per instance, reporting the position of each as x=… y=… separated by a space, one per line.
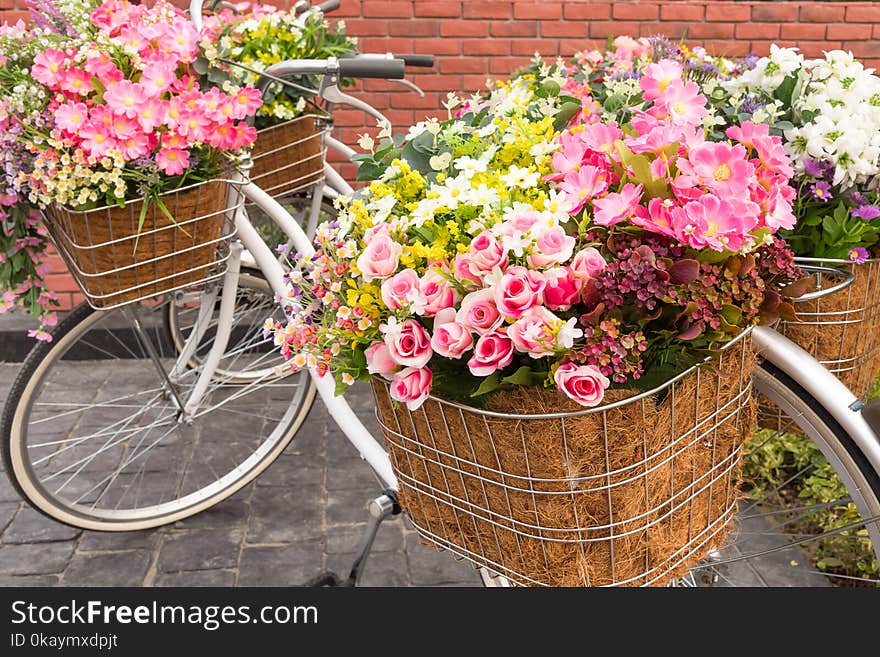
x=289 y=156
x=114 y=263
x=545 y=492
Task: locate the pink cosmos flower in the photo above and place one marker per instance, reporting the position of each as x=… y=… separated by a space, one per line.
x=70 y=117
x=157 y=77
x=411 y=386
x=436 y=292
x=712 y=222
x=534 y=333
x=450 y=338
x=658 y=218
x=581 y=186
x=120 y=125
x=245 y=102
x=553 y=246
x=518 y=290
x=379 y=360
x=478 y=312
x=682 y=103
x=600 y=137
x=492 y=352
x=583 y=383
x=486 y=253
x=402 y=290
x=563 y=288
x=408 y=342
x=96 y=139
x=617 y=206
x=216 y=105
x=721 y=167
x=570 y=155
x=380 y=257
x=48 y=67
x=173 y=140
x=135 y=146
x=768 y=148
x=173 y=161
x=102 y=67
x=245 y=135
x=132 y=37
x=150 y=114
x=125 y=98
x=658 y=77
x=222 y=136
x=76 y=81
x=194 y=126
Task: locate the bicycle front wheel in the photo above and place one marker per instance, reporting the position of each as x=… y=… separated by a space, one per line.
x=92 y=436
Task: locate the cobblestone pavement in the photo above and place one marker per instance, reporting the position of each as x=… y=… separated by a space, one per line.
x=302 y=516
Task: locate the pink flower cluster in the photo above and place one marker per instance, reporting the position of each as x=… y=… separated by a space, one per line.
x=150 y=106
x=662 y=175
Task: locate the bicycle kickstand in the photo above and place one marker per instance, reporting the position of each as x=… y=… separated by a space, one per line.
x=380 y=508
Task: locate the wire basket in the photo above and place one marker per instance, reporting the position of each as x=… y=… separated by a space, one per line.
x=289 y=157
x=114 y=262
x=633 y=492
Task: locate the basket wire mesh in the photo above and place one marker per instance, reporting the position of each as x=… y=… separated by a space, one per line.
x=514 y=492
x=289 y=157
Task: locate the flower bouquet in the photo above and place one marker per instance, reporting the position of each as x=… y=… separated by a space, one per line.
x=239 y=45
x=107 y=129
x=553 y=310
x=828 y=112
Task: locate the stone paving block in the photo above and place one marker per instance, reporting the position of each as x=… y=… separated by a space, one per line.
x=42 y=559
x=29 y=580
x=289 y=565
x=7 y=512
x=285 y=515
x=107 y=569
x=7 y=491
x=345 y=507
x=430 y=567
x=196 y=578
x=30 y=526
x=231 y=512
x=347 y=538
x=293 y=470
x=109 y=541
x=382 y=569
x=200 y=549
x=359 y=476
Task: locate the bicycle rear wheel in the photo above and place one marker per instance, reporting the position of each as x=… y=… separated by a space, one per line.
x=91 y=435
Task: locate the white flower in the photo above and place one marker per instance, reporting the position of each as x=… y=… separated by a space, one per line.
x=483 y=196
x=381 y=208
x=469 y=166
x=366 y=142
x=454 y=191
x=568 y=334
x=521 y=177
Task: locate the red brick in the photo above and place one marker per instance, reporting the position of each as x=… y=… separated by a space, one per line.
x=564 y=29
x=877 y=31
x=473 y=83
x=386 y=9
x=568 y=47
x=728 y=48
x=671 y=29
x=366 y=27
x=6 y=4
x=413 y=28
x=442 y=9
x=757 y=30
x=635 y=11
x=454 y=28
x=348 y=8
x=385 y=44
x=863 y=14
x=438 y=46
x=587 y=11
x=504 y=66
x=513 y=29
x=540 y=10
x=803 y=31
x=822 y=12
x=775 y=13
x=852 y=32
x=488 y=9
x=409 y=100
x=436 y=82
x=602 y=29
x=546 y=47
x=863 y=49
x=12 y=17
x=711 y=31
x=380 y=85
x=724 y=12
x=347 y=117
x=681 y=12
x=464 y=65
x=494 y=47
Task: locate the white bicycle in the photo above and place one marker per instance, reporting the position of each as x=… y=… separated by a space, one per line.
x=186 y=421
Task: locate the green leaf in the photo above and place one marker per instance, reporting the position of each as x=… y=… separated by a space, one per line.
x=525 y=376
x=490 y=383
x=641 y=168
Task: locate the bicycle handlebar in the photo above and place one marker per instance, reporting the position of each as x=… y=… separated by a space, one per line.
x=328 y=6
x=425 y=61
x=371 y=67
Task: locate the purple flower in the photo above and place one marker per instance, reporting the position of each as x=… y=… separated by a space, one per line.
x=821 y=191
x=866 y=212
x=858 y=254
x=813 y=168
x=858 y=198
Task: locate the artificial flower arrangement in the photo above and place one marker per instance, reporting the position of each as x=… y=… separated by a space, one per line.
x=523 y=243
x=257 y=36
x=100 y=105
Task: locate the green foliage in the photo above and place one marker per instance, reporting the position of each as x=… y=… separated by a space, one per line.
x=827 y=231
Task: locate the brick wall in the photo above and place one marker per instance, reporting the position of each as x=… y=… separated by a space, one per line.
x=478 y=39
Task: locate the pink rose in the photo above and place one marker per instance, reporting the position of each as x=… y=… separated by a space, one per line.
x=401 y=290
x=553 y=246
x=380 y=258
x=437 y=293
x=587 y=263
x=450 y=338
x=479 y=313
x=583 y=383
x=411 y=386
x=486 y=253
x=533 y=332
x=379 y=360
x=493 y=351
x=408 y=343
x=518 y=290
x=562 y=290
x=462 y=271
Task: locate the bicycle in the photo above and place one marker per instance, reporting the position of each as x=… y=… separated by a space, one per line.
x=820 y=406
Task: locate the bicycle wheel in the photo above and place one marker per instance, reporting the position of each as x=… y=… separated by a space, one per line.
x=784 y=537
x=91 y=436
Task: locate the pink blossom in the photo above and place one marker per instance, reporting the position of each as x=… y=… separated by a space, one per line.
x=437 y=292
x=581 y=186
x=712 y=222
x=402 y=290
x=379 y=360
x=563 y=288
x=682 y=103
x=570 y=155
x=658 y=77
x=216 y=105
x=462 y=270
x=518 y=290
x=135 y=146
x=96 y=139
x=48 y=67
x=125 y=97
x=587 y=264
x=534 y=333
x=492 y=352
x=768 y=148
x=173 y=161
x=70 y=117
x=380 y=257
x=76 y=81
x=553 y=246
x=222 y=136
x=659 y=217
x=157 y=77
x=245 y=102
x=102 y=67
x=617 y=206
x=720 y=167
x=245 y=135
x=583 y=383
x=411 y=386
x=408 y=342
x=600 y=137
x=194 y=125
x=450 y=338
x=486 y=253
x=151 y=114
x=478 y=312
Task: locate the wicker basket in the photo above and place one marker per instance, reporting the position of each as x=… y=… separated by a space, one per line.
x=634 y=492
x=115 y=263
x=289 y=156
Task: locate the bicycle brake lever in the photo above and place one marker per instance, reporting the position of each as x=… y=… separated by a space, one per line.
x=330 y=92
x=411 y=86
